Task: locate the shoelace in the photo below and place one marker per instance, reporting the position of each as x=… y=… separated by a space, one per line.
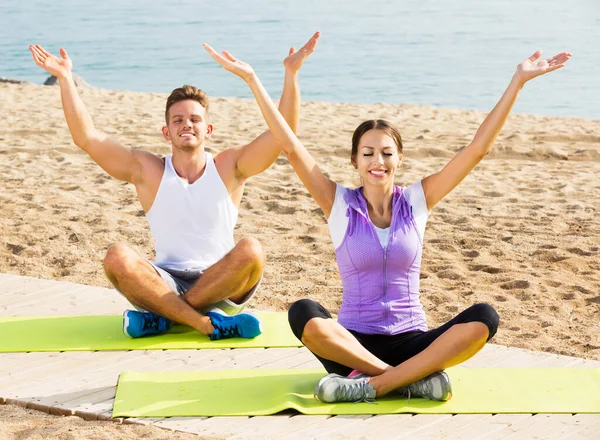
x=151 y=323
x=229 y=331
x=355 y=392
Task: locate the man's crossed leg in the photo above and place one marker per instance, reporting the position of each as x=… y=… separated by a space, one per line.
x=210 y=302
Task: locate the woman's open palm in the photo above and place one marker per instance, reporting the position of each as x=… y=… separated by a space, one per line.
x=533 y=66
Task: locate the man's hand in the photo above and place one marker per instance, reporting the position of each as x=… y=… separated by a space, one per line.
x=59 y=67
x=295 y=59
x=240 y=68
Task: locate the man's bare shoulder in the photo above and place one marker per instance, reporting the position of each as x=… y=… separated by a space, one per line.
x=226 y=162
x=149 y=166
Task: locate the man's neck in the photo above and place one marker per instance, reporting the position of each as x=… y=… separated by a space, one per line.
x=189 y=166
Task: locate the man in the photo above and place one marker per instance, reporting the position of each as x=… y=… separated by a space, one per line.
x=200 y=278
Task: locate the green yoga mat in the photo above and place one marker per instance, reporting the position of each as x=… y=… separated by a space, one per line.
x=90 y=333
x=264 y=392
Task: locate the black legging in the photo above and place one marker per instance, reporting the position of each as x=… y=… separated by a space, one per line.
x=391 y=349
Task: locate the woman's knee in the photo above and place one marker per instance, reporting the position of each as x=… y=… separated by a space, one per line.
x=302 y=313
x=487 y=315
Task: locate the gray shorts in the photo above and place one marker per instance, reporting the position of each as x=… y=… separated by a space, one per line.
x=180 y=281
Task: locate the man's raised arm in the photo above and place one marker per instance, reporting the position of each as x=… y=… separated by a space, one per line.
x=259 y=154
x=118 y=161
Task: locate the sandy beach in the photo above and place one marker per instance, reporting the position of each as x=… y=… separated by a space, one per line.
x=521 y=232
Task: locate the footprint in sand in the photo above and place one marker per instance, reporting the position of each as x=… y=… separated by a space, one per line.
x=15 y=249
x=579 y=252
x=471 y=254
x=548 y=256
x=485 y=268
x=516 y=284
x=280 y=209
x=449 y=275
x=492 y=194
x=307 y=238
x=582 y=290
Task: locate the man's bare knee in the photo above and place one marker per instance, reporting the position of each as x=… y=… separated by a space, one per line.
x=120 y=260
x=252 y=251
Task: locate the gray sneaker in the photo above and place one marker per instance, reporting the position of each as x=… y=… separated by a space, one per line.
x=436 y=386
x=335 y=388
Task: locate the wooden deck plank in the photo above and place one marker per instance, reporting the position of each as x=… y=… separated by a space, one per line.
x=323 y=428
x=39 y=371
x=298 y=358
x=103 y=401
x=48 y=297
x=31 y=296
x=221 y=427
x=271 y=427
x=478 y=428
x=539 y=426
x=408 y=426
x=586 y=426
x=489 y=356
x=183 y=424
x=14 y=361
x=7 y=278
x=449 y=424
x=367 y=428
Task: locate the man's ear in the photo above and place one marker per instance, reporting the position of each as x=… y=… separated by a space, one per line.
x=165 y=132
x=209 y=130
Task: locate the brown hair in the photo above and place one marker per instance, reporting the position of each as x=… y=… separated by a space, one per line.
x=184 y=93
x=376 y=124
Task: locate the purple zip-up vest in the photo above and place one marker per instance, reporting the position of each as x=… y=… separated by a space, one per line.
x=381 y=285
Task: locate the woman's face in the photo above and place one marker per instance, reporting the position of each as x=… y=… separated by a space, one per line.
x=376 y=158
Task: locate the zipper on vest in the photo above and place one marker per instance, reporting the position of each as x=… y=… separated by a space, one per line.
x=385 y=302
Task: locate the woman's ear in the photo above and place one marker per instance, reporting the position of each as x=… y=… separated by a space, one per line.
x=353 y=162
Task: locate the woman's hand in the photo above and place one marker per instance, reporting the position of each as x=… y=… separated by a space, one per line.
x=531 y=67
x=240 y=68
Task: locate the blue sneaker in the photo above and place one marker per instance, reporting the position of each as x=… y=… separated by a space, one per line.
x=137 y=324
x=243 y=325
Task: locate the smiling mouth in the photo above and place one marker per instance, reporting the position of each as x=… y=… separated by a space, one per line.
x=377 y=173
x=187 y=135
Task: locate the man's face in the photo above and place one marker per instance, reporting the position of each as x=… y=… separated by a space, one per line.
x=188 y=127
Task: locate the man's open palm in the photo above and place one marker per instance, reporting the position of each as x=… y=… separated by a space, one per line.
x=58 y=67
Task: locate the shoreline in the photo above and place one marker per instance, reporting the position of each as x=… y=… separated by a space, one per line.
x=7 y=80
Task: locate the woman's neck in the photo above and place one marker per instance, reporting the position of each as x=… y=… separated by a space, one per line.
x=379 y=204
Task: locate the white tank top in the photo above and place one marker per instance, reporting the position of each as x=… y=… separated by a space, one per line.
x=192 y=223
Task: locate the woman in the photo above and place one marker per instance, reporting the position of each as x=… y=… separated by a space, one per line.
x=380 y=342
